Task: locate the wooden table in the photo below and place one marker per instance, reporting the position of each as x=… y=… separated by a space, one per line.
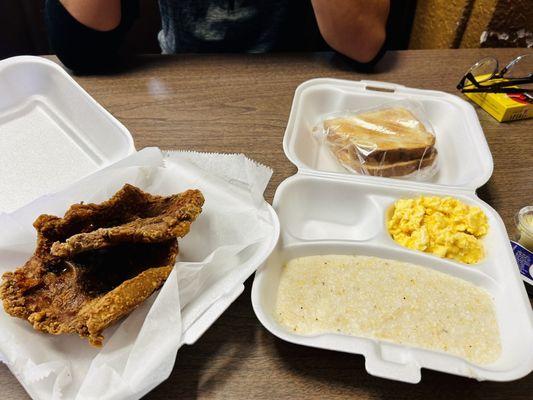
x=241 y=103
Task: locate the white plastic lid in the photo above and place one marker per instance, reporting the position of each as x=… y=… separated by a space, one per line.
x=52 y=132
x=465 y=161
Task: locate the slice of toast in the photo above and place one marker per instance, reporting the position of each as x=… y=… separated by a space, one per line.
x=391 y=134
x=399 y=168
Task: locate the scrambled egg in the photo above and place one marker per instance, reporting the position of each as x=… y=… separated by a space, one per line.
x=443 y=226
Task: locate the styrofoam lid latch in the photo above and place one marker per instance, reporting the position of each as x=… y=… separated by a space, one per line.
x=409 y=373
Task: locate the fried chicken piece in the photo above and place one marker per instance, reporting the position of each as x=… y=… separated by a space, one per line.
x=83 y=297
x=151 y=219
x=85 y=288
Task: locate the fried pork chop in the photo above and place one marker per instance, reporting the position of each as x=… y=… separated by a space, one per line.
x=99 y=262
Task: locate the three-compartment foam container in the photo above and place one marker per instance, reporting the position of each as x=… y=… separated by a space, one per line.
x=325 y=210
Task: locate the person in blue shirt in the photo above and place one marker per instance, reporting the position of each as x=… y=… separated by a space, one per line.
x=87 y=34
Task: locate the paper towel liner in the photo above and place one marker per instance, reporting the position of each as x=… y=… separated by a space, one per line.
x=139 y=352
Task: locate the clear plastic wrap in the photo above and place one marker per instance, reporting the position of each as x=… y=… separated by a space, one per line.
x=392 y=140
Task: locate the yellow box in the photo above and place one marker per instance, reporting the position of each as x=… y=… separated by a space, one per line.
x=502 y=107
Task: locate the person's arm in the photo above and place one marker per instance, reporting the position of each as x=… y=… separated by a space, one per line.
x=86 y=34
x=355 y=28
x=101 y=15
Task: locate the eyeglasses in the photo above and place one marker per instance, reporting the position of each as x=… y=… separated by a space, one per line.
x=483 y=76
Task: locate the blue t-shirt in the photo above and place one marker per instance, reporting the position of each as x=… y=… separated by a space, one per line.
x=220 y=25
x=189 y=26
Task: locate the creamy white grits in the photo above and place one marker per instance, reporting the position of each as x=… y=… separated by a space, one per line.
x=388 y=300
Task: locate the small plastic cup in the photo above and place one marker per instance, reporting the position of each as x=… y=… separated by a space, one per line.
x=524 y=225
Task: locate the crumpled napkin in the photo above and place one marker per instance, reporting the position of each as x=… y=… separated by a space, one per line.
x=215 y=257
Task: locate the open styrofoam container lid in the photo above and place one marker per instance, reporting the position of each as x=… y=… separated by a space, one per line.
x=52 y=132
x=464 y=161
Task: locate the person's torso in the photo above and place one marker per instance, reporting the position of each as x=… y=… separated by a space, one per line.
x=221 y=25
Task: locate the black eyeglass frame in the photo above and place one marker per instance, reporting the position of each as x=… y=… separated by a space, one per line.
x=496 y=87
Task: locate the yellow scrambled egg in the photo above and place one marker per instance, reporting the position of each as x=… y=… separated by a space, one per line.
x=443 y=226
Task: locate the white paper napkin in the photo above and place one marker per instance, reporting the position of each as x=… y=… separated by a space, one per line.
x=139 y=352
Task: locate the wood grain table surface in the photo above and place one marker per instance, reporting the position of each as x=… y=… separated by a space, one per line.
x=240 y=104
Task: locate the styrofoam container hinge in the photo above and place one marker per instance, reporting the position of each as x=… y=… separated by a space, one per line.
x=409 y=373
x=382 y=86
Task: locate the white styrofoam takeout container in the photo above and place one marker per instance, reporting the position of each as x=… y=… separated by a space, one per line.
x=325 y=210
x=53 y=133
